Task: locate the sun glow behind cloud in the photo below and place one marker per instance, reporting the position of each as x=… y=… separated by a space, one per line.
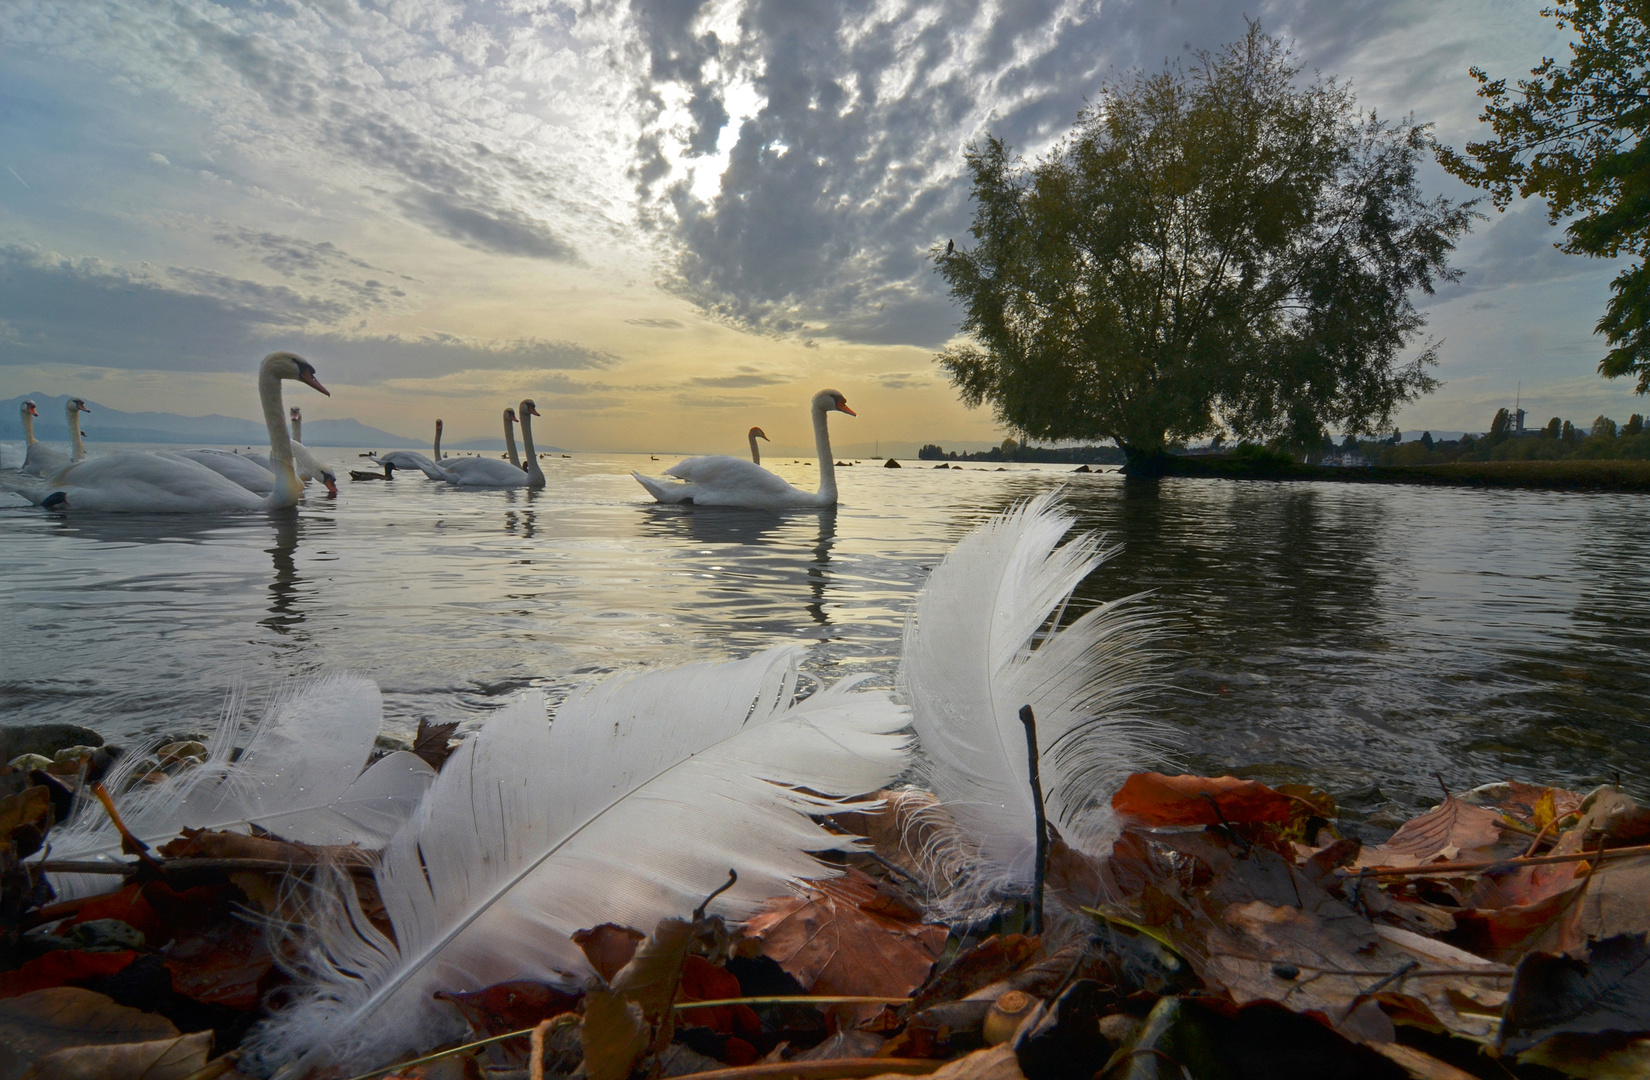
x=674 y=218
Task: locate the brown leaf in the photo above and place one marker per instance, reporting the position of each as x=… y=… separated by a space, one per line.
x=1616 y=817
x=615 y=1034
x=40 y=1022
x=1444 y=832
x=160 y=1059
x=651 y=977
x=430 y=743
x=912 y=831
x=993 y=1063
x=24 y=819
x=1152 y=799
x=510 y=1006
x=608 y=947
x=62 y=967
x=221 y=963
x=207 y=844
x=830 y=943
x=985 y=963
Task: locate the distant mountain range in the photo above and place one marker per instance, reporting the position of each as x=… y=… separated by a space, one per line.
x=106 y=425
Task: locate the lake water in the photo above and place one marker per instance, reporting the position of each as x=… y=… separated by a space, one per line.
x=1362 y=638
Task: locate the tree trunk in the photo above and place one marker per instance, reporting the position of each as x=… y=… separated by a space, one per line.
x=1145 y=464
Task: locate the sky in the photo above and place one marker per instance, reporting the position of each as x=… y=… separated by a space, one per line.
x=663 y=220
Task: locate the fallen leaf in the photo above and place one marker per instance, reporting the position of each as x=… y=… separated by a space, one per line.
x=1621 y=821
x=1446 y=831
x=1608 y=989
x=614 y=1035
x=993 y=1063
x=24 y=819
x=506 y=1007
x=430 y=742
x=981 y=965
x=704 y=981
x=608 y=947
x=160 y=1059
x=221 y=963
x=831 y=945
x=209 y=844
x=40 y=1022
x=63 y=967
x=1152 y=799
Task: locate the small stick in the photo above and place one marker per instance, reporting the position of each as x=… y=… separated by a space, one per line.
x=1030 y=722
x=130 y=844
x=699 y=912
x=1479 y=867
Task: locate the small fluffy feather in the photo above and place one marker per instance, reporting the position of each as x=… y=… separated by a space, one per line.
x=975 y=651
x=630 y=807
x=299 y=776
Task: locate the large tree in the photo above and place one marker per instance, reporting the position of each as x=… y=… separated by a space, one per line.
x=1210 y=249
x=1575 y=135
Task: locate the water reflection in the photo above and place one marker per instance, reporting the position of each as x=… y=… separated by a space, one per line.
x=819 y=569
x=712 y=525
x=285 y=613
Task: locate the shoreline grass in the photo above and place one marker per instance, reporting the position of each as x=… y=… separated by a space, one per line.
x=1572 y=475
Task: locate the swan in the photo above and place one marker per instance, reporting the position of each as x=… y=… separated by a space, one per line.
x=756 y=455
x=510 y=438
x=411 y=459
x=729 y=481
x=133 y=481
x=43 y=460
x=494 y=472
x=308 y=466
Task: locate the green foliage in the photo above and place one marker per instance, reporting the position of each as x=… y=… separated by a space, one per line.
x=1567 y=435
x=1499 y=426
x=931 y=452
x=1213 y=247
x=1634 y=425
x=1575 y=135
x=1553 y=429
x=1603 y=428
x=1255 y=454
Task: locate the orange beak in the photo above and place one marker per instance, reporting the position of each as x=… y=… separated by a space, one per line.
x=844 y=408
x=83 y=407
x=309 y=379
x=534 y=411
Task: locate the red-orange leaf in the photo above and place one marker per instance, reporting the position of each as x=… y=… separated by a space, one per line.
x=1153 y=799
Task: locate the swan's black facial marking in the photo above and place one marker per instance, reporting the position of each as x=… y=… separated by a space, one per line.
x=306 y=375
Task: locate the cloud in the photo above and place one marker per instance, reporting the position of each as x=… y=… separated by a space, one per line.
x=1517 y=248
x=496 y=229
x=739 y=381
x=657 y=324
x=903 y=380
x=90 y=312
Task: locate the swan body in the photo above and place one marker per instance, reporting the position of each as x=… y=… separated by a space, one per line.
x=407 y=459
x=162 y=483
x=309 y=466
x=719 y=480
x=241 y=469
x=478 y=471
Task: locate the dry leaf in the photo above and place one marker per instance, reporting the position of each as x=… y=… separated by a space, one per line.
x=608 y=947
x=430 y=742
x=830 y=943
x=161 y=1059
x=1445 y=831
x=41 y=1022
x=1152 y=799
x=615 y=1034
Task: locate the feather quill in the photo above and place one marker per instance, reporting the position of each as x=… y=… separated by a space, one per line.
x=976 y=650
x=299 y=776
x=630 y=807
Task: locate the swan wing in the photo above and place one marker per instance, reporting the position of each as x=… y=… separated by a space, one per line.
x=663 y=490
x=719 y=473
x=243 y=471
x=410 y=459
x=485 y=472
x=43 y=460
x=136 y=482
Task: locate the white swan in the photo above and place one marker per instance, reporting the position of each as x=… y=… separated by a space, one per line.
x=757 y=433
x=43 y=460
x=494 y=472
x=510 y=438
x=729 y=481
x=137 y=482
x=411 y=459
x=308 y=466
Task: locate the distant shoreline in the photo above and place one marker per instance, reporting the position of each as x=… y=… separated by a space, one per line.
x=1586 y=475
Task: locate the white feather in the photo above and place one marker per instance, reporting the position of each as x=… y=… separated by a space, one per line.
x=299 y=776
x=631 y=807
x=975 y=652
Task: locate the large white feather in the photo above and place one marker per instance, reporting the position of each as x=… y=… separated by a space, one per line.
x=976 y=650
x=299 y=776
x=631 y=807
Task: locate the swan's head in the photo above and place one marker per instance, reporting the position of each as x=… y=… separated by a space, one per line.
x=438 y=425
x=330 y=482
x=528 y=408
x=285 y=365
x=295 y=413
x=30 y=409
x=510 y=416
x=78 y=405
x=758 y=433
x=832 y=401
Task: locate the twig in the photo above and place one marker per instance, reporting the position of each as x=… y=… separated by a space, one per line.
x=1479 y=867
x=1041 y=868
x=834 y=1069
x=699 y=912
x=130 y=844
x=177 y=865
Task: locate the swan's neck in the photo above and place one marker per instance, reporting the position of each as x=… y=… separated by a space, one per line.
x=79 y=448
x=756 y=455
x=288 y=488
x=436 y=454
x=297 y=429
x=827 y=466
x=510 y=442
x=28 y=427
x=535 y=475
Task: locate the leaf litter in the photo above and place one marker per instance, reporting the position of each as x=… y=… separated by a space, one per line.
x=1230 y=928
